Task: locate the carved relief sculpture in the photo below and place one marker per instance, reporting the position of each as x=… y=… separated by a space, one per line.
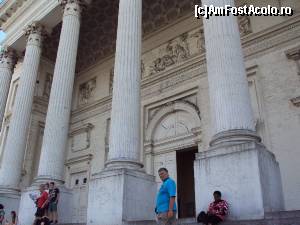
x=86 y=91
x=48 y=84
x=176 y=51
x=179 y=49
x=244 y=25
x=199 y=35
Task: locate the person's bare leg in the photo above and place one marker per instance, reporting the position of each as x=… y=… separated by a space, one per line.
x=55 y=219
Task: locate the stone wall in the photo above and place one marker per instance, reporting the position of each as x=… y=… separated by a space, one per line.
x=174 y=85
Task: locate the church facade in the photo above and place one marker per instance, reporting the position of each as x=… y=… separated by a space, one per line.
x=98 y=95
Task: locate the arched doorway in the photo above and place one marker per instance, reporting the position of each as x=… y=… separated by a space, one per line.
x=171 y=141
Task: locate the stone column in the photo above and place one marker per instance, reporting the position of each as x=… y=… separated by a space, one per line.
x=13 y=155
x=231 y=111
x=236 y=163
x=124 y=145
x=51 y=164
x=111 y=199
x=7 y=63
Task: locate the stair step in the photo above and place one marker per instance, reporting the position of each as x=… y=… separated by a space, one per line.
x=273 y=218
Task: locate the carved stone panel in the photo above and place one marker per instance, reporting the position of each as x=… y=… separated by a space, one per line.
x=175 y=51
x=86 y=92
x=244 y=25
x=81 y=138
x=48 y=84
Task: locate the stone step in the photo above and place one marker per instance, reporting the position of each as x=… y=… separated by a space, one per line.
x=274 y=218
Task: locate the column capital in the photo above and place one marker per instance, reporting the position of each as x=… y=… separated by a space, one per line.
x=8 y=57
x=35 y=32
x=73 y=7
x=34 y=28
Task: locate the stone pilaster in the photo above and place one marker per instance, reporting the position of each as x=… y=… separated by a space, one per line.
x=124 y=146
x=13 y=155
x=51 y=164
x=111 y=197
x=7 y=63
x=236 y=163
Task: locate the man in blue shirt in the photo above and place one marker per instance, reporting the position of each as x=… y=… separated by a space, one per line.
x=165 y=201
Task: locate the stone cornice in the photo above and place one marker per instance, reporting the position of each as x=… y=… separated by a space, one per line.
x=29 y=12
x=79 y=159
x=8 y=8
x=98 y=107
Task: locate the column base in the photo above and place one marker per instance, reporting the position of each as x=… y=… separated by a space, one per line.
x=247 y=175
x=123 y=163
x=27 y=206
x=236 y=136
x=10 y=199
x=120 y=196
x=46 y=179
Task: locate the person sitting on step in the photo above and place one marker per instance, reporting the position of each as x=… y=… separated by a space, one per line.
x=217 y=211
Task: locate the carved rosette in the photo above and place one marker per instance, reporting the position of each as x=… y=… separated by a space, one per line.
x=35 y=33
x=8 y=58
x=73 y=7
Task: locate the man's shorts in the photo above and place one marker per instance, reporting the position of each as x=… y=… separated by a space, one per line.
x=162 y=219
x=52 y=206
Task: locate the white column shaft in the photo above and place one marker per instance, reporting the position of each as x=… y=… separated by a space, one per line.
x=125 y=116
x=228 y=86
x=57 y=121
x=6 y=70
x=12 y=162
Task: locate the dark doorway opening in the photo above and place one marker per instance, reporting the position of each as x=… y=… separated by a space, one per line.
x=185 y=182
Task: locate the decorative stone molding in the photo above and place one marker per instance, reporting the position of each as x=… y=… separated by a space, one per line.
x=87 y=91
x=96 y=108
x=80 y=138
x=75 y=160
x=294 y=54
x=8 y=8
x=296 y=101
x=162 y=120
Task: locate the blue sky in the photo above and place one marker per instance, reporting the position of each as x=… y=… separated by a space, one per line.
x=2 y=35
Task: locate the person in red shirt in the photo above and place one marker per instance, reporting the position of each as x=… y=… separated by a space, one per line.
x=217 y=211
x=41 y=202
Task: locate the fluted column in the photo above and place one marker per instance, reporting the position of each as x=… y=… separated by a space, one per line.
x=51 y=164
x=11 y=167
x=124 y=146
x=231 y=110
x=7 y=63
